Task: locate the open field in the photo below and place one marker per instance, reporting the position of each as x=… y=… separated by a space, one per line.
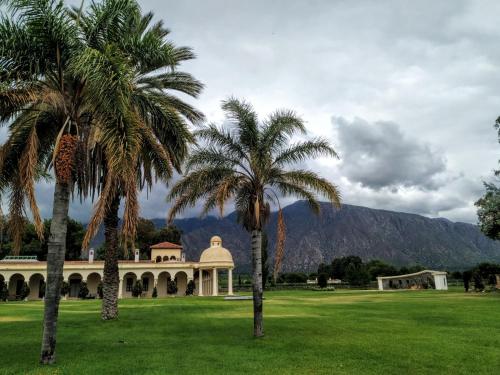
x=348 y=332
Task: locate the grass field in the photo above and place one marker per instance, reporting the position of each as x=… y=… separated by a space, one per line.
x=307 y=332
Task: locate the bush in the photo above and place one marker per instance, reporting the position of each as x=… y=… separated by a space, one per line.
x=190 y=288
x=4 y=291
x=25 y=291
x=322 y=280
x=137 y=289
x=64 y=288
x=84 y=290
x=100 y=292
x=155 y=293
x=295 y=277
x=171 y=287
x=41 y=290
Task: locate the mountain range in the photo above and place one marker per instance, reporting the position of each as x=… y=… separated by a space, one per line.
x=401 y=239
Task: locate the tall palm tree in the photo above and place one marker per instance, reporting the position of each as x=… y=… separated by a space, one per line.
x=162 y=117
x=60 y=98
x=248 y=162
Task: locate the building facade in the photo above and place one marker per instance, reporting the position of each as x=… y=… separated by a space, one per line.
x=167 y=264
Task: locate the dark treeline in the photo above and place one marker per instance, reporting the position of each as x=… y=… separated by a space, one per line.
x=33 y=246
x=481 y=276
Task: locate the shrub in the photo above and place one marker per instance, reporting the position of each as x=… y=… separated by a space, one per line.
x=25 y=291
x=100 y=292
x=137 y=289
x=322 y=280
x=190 y=288
x=155 y=293
x=64 y=288
x=4 y=291
x=84 y=290
x=171 y=287
x=295 y=277
x=41 y=290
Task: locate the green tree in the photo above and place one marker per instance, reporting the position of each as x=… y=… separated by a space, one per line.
x=322 y=280
x=137 y=289
x=489 y=212
x=378 y=268
x=50 y=108
x=247 y=161
x=83 y=292
x=158 y=136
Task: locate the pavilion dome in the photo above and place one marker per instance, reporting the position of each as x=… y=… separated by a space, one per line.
x=216 y=253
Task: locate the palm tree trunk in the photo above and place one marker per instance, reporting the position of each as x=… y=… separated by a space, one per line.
x=111 y=278
x=55 y=264
x=258 y=327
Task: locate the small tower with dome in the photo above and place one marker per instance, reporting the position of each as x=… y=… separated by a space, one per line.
x=213 y=259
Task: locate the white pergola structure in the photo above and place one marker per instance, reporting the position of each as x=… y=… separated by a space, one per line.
x=426 y=279
x=211 y=260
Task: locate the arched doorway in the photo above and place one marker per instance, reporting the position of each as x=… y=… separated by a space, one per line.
x=148 y=280
x=181 y=280
x=74 y=281
x=16 y=282
x=129 y=281
x=163 y=279
x=37 y=286
x=93 y=281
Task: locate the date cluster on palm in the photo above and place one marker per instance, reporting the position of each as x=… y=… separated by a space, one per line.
x=65 y=157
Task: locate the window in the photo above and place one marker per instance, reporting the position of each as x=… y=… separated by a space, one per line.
x=172 y=257
x=158 y=259
x=130 y=284
x=165 y=258
x=145 y=284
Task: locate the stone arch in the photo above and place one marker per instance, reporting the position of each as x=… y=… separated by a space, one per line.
x=163 y=279
x=93 y=280
x=15 y=284
x=165 y=258
x=148 y=280
x=158 y=259
x=37 y=284
x=173 y=257
x=181 y=280
x=74 y=282
x=129 y=280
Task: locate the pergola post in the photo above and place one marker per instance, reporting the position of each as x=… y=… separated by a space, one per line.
x=200 y=288
x=230 y=282
x=214 y=282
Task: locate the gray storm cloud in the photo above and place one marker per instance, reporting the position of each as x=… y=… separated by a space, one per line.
x=380 y=155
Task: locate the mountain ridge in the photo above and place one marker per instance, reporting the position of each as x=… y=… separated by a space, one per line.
x=398 y=238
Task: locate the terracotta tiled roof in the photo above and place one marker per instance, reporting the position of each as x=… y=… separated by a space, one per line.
x=166 y=245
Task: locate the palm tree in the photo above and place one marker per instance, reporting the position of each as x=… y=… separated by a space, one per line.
x=162 y=118
x=61 y=97
x=247 y=162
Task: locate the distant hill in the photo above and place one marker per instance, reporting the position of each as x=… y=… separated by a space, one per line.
x=396 y=237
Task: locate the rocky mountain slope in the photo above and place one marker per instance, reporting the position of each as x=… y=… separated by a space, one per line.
x=396 y=237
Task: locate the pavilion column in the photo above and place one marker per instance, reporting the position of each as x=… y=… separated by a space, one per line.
x=230 y=282
x=200 y=287
x=214 y=282
x=120 y=289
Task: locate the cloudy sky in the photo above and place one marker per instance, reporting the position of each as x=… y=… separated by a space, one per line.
x=406 y=91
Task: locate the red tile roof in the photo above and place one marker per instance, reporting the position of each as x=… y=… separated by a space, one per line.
x=166 y=245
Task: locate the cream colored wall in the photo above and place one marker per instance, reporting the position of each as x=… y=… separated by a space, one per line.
x=165 y=252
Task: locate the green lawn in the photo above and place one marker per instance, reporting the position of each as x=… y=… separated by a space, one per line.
x=307 y=332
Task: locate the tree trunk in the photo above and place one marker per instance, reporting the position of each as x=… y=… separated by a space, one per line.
x=111 y=279
x=55 y=264
x=258 y=327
